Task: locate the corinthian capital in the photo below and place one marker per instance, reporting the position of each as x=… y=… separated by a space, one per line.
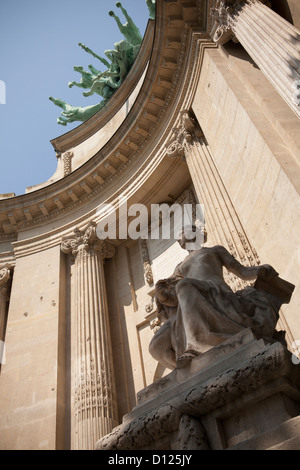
x=185 y=134
x=5 y=277
x=222 y=30
x=87 y=240
x=224 y=14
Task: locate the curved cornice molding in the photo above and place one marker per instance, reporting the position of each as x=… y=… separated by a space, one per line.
x=128 y=159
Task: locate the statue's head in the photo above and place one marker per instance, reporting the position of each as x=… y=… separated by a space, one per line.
x=192 y=237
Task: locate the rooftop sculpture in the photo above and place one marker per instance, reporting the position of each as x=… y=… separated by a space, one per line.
x=119 y=63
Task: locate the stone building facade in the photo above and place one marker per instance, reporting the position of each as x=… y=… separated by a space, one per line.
x=209 y=114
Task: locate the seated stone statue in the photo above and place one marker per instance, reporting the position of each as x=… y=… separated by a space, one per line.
x=201 y=311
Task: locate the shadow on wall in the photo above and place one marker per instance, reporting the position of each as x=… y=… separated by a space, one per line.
x=120 y=343
x=289 y=10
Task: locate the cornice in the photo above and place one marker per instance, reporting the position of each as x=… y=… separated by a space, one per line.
x=180 y=36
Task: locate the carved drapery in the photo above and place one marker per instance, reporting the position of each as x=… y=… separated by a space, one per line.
x=271 y=41
x=95 y=396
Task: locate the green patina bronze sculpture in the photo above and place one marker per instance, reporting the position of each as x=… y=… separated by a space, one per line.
x=73 y=113
x=129 y=30
x=151 y=8
x=119 y=63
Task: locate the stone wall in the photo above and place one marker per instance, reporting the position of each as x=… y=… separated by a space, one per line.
x=32 y=388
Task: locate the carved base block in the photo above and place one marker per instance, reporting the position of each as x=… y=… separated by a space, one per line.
x=243 y=394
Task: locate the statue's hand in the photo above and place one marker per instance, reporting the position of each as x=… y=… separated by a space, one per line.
x=267 y=272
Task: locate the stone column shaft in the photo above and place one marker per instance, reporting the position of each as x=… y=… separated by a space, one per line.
x=271 y=41
x=223 y=224
x=95 y=396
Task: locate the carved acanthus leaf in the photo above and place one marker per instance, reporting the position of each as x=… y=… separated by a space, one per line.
x=224 y=16
x=186 y=134
x=4 y=276
x=87 y=240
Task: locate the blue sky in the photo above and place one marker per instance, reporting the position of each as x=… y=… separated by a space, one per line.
x=38 y=50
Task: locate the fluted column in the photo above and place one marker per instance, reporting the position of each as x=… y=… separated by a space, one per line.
x=271 y=41
x=95 y=396
x=221 y=220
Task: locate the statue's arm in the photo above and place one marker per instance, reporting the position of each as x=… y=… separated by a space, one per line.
x=246 y=273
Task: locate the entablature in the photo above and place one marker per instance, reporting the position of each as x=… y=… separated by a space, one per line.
x=181 y=32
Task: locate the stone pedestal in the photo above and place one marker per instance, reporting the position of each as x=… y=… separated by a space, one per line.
x=242 y=394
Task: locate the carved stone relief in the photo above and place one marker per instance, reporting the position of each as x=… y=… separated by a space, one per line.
x=67 y=162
